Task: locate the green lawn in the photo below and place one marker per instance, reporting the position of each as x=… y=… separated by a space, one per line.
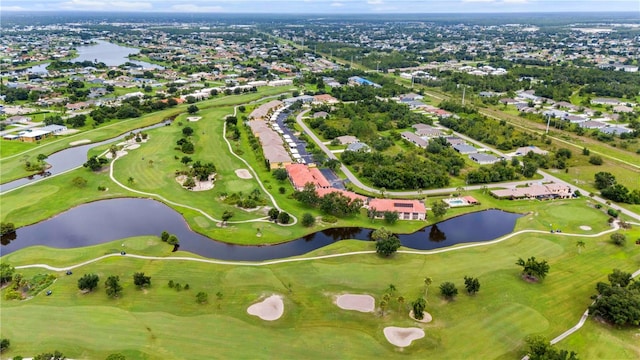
x=151 y=324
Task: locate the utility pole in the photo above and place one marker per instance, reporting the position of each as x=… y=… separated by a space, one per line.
x=548 y=121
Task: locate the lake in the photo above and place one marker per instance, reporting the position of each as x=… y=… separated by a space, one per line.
x=109 y=220
x=103 y=51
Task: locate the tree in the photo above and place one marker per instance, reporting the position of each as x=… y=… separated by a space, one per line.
x=386 y=242
x=539 y=348
x=439 y=208
x=448 y=290
x=308 y=220
x=192 y=109
x=471 y=284
x=532 y=269
x=580 y=244
x=79 y=182
x=4 y=345
x=187 y=131
x=116 y=356
x=418 y=307
x=284 y=218
x=189 y=183
x=186 y=160
x=140 y=280
x=242 y=108
x=112 y=286
x=427 y=282
x=383 y=306
x=618 y=239
x=173 y=240
x=619 y=301
x=390 y=217
x=164 y=236
x=332 y=164
x=280 y=174
x=88 y=282
x=273 y=213
x=131 y=180
x=202 y=297
x=604 y=180
x=56 y=355
x=7 y=228
x=619 y=278
x=6 y=272
x=226 y=215
x=95 y=163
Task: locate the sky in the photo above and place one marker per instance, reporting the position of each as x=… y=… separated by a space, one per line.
x=325 y=6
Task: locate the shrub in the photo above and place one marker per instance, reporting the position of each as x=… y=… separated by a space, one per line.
x=595 y=160
x=618 y=239
x=329 y=219
x=612 y=212
x=308 y=220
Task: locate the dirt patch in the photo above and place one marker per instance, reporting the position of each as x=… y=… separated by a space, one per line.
x=585 y=227
x=79 y=142
x=426 y=317
x=362 y=303
x=269 y=309
x=243 y=174
x=200 y=185
x=402 y=337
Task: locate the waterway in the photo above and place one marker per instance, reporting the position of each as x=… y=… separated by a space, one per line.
x=67 y=159
x=113 y=219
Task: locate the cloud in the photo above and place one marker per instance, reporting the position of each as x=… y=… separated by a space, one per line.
x=478 y=1
x=123 y=5
x=337 y=4
x=515 y=1
x=12 y=8
x=375 y=2
x=196 y=8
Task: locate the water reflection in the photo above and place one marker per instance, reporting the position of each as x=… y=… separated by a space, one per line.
x=109 y=220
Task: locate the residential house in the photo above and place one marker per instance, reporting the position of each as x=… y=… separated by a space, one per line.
x=406 y=209
x=522 y=151
x=358 y=146
x=483 y=159
x=414 y=139
x=465 y=149
x=300 y=175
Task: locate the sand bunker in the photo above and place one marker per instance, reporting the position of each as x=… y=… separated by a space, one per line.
x=132 y=146
x=269 y=309
x=243 y=174
x=194 y=118
x=402 y=337
x=426 y=317
x=362 y=303
x=585 y=227
x=200 y=185
x=80 y=142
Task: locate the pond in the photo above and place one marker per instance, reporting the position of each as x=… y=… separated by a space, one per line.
x=109 y=220
x=68 y=159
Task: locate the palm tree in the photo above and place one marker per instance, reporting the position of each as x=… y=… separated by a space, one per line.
x=383 y=305
x=401 y=302
x=580 y=244
x=391 y=289
x=427 y=282
x=130 y=180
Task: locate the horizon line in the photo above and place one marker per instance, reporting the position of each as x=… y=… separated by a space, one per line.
x=313 y=13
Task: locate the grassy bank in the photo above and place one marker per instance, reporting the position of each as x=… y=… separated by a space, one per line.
x=150 y=324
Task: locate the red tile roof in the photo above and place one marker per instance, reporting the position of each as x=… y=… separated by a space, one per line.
x=401 y=206
x=351 y=195
x=302 y=174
